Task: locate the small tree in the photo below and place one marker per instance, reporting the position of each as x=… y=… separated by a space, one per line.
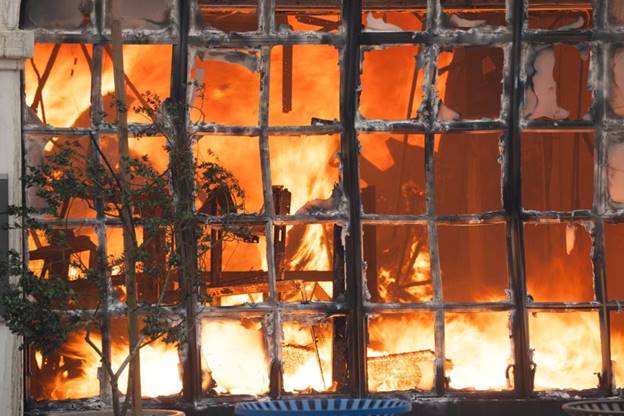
x=125 y=187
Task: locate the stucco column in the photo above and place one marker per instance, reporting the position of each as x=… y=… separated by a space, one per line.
x=15 y=46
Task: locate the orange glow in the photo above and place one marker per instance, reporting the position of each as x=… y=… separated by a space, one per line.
x=235 y=353
x=234 y=357
x=159 y=370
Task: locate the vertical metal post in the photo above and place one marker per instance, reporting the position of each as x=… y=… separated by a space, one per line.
x=599 y=64
x=100 y=228
x=183 y=185
x=512 y=203
x=441 y=379
x=266 y=23
x=352 y=20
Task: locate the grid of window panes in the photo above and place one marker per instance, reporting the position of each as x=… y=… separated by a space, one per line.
x=480 y=139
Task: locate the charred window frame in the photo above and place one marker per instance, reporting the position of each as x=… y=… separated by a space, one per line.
x=350 y=307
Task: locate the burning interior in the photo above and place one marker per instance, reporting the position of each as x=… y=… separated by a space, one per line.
x=433 y=192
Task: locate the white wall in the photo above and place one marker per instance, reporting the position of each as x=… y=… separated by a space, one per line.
x=15 y=46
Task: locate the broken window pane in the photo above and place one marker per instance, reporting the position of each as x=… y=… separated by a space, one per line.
x=233 y=264
x=396 y=94
x=469 y=83
x=149 y=150
x=154 y=277
x=614 y=247
x=473 y=263
x=160 y=362
x=225 y=87
x=57 y=81
x=56 y=190
x=148 y=75
x=386 y=19
x=66 y=254
x=557 y=87
x=400 y=353
x=224 y=16
x=552 y=15
x=615 y=12
x=143 y=14
x=229 y=178
x=238 y=363
x=72 y=371
x=558 y=262
x=392 y=173
x=566 y=349
x=557 y=171
x=307 y=354
x=305 y=85
x=304 y=258
x=478 y=350
x=397 y=263
x=67 y=15
x=459 y=14
x=615 y=168
x=615 y=94
x=467 y=173
x=308 y=167
x=290 y=16
x=617 y=347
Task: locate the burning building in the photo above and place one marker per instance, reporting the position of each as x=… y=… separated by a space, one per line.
x=433 y=196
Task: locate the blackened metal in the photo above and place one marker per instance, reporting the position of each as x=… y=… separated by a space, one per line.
x=433 y=306
x=557 y=216
x=281 y=203
x=565 y=306
x=340 y=340
x=265 y=26
x=558 y=126
x=370 y=244
x=313 y=129
x=253 y=40
x=352 y=21
x=600 y=52
x=513 y=207
x=183 y=186
x=434 y=261
x=102 y=253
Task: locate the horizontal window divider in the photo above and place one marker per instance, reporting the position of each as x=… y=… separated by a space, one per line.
x=320 y=218
x=416 y=126
x=138 y=38
x=554 y=126
x=492 y=217
x=432 y=306
x=557 y=216
x=562 y=306
x=476 y=37
x=253 y=39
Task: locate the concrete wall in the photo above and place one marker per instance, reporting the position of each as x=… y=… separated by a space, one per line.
x=15 y=46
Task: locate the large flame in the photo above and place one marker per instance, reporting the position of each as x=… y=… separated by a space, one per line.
x=235 y=353
x=160 y=370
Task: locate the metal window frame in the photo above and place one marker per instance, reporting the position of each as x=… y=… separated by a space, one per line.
x=350 y=42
